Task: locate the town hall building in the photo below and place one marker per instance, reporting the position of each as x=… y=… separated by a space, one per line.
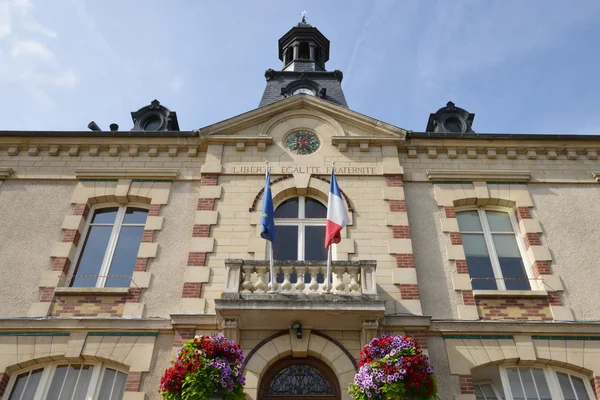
x=117 y=246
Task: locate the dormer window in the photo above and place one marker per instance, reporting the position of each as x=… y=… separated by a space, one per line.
x=453 y=125
x=152 y=123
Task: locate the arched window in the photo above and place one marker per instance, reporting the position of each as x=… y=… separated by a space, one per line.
x=304 y=51
x=108 y=254
x=67 y=381
x=300 y=230
x=494 y=252
x=291 y=378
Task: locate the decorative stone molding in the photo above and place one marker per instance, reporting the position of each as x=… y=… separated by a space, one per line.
x=127 y=173
x=478 y=175
x=5 y=173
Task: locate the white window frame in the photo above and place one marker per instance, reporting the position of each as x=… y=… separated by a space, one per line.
x=112 y=241
x=551 y=379
x=301 y=222
x=491 y=248
x=496 y=392
x=48 y=373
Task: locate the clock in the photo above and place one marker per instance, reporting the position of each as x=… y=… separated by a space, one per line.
x=302 y=142
x=304 y=91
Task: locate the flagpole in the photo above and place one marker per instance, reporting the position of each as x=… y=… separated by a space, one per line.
x=272 y=284
x=329 y=283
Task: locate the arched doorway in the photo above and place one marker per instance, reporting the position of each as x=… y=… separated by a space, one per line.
x=299 y=379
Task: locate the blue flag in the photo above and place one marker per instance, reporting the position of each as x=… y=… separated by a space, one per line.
x=267 y=230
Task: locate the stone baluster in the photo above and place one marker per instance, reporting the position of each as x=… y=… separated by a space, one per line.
x=340 y=286
x=260 y=285
x=300 y=271
x=313 y=286
x=247 y=284
x=286 y=285
x=353 y=286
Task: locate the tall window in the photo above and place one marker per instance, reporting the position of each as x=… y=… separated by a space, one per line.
x=544 y=383
x=493 y=250
x=300 y=230
x=63 y=381
x=112 y=240
x=485 y=391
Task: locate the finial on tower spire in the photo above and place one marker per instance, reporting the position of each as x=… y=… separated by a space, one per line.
x=303 y=14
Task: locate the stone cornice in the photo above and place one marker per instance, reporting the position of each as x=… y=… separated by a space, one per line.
x=127 y=173
x=478 y=175
x=518 y=327
x=356 y=141
x=233 y=140
x=72 y=324
x=596 y=175
x=5 y=172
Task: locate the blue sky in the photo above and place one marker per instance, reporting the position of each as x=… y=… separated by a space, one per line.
x=521 y=66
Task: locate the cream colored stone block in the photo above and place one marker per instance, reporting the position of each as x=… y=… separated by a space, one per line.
x=396 y=219
x=562 y=313
x=481 y=191
x=8 y=352
x=206 y=217
x=256 y=364
x=91 y=346
x=331 y=352
x=477 y=351
x=255 y=217
x=42 y=347
x=123 y=348
x=302 y=182
x=459 y=357
x=520 y=195
x=444 y=195
x=300 y=345
x=154 y=223
x=63 y=249
x=211 y=169
x=558 y=352
x=269 y=352
x=449 y=224
x=493 y=350
x=467 y=312
x=575 y=352
x=393 y=193
x=284 y=345
x=75 y=344
x=464 y=397
x=461 y=282
x=400 y=246
x=73 y=222
x=591 y=356
x=251 y=380
x=551 y=283
x=342 y=364
x=316 y=345
x=197 y=274
x=258 y=247
x=509 y=349
x=59 y=346
x=191 y=306
x=50 y=279
x=122 y=190
x=539 y=253
x=530 y=225
x=455 y=252
x=140 y=279
x=133 y=310
x=525 y=349
x=210 y=192
x=134 y=396
x=140 y=356
x=345 y=246
x=542 y=350
x=147 y=250
x=26 y=348
x=406 y=276
x=159 y=193
x=202 y=245
x=409 y=306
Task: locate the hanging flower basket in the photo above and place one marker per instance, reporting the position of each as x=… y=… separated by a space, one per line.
x=206 y=368
x=393 y=367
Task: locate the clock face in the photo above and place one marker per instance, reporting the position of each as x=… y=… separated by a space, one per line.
x=304 y=91
x=302 y=142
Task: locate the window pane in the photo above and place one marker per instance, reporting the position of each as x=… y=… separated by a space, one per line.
x=314 y=242
x=478 y=262
x=286 y=243
x=32 y=384
x=565 y=386
x=468 y=221
x=92 y=255
x=542 y=385
x=84 y=382
x=105 y=215
x=314 y=209
x=478 y=393
x=579 y=388
x=511 y=262
x=287 y=209
x=499 y=221
x=488 y=391
x=515 y=384
x=135 y=216
x=70 y=381
x=57 y=382
x=125 y=255
x=107 y=384
x=527 y=379
x=119 y=387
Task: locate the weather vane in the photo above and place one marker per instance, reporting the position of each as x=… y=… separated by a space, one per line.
x=303 y=14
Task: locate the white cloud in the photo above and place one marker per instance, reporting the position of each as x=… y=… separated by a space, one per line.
x=31 y=48
x=5 y=28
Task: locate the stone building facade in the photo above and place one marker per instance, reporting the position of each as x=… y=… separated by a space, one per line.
x=118 y=246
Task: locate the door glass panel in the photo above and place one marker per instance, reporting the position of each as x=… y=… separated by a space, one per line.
x=511 y=262
x=135 y=216
x=105 y=215
x=565 y=386
x=83 y=383
x=91 y=258
x=542 y=385
x=107 y=383
x=314 y=242
x=579 y=388
x=125 y=256
x=286 y=243
x=32 y=384
x=468 y=221
x=478 y=262
x=515 y=384
x=499 y=221
x=527 y=380
x=287 y=209
x=57 y=382
x=314 y=209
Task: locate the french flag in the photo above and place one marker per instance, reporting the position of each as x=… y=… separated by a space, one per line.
x=337 y=217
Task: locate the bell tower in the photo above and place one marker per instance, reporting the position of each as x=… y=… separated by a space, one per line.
x=303 y=48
